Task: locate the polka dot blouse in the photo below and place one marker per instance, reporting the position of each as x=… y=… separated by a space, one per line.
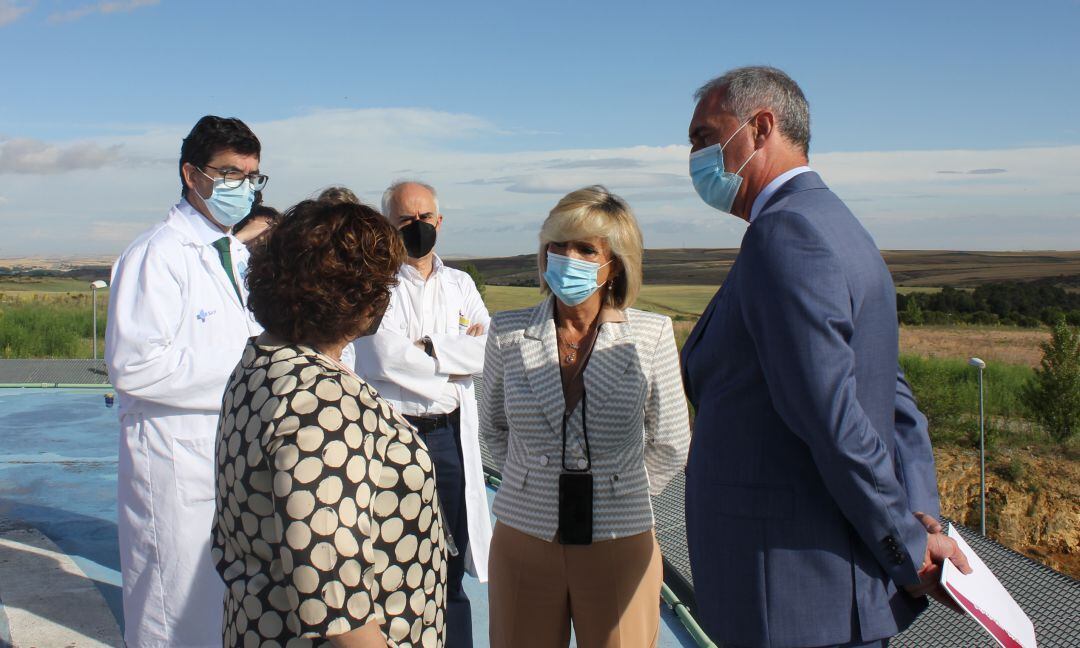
x=327 y=516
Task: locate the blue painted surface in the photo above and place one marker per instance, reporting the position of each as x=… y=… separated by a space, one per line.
x=58 y=475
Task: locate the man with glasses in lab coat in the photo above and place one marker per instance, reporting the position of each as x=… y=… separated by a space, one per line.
x=177 y=326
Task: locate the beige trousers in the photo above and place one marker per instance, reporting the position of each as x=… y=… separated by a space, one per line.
x=610 y=590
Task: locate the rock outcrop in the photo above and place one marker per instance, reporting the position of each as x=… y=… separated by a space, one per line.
x=1032 y=504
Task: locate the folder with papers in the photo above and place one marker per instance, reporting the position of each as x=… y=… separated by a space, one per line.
x=983 y=597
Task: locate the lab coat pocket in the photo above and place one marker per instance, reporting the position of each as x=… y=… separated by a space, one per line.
x=193 y=468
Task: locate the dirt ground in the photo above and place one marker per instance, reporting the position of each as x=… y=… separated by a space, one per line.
x=1032 y=507
x=993 y=344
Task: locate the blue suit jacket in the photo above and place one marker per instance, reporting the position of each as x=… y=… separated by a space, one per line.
x=809 y=454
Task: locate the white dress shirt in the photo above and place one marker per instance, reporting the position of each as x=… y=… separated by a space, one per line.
x=771 y=188
x=441 y=308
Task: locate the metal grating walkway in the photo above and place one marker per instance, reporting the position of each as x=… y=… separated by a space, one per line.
x=51 y=373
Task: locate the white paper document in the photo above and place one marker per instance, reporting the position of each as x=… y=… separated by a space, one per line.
x=983 y=597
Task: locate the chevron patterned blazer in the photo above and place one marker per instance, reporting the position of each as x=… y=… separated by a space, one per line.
x=638 y=425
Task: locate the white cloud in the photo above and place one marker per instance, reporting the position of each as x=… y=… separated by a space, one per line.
x=977 y=171
x=989 y=175
x=565 y=182
x=494 y=202
x=105 y=8
x=31 y=156
x=114 y=233
x=11 y=10
x=598 y=163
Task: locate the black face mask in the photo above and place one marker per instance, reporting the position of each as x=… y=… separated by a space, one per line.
x=419 y=238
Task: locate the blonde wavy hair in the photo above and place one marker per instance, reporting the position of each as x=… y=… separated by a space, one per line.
x=595 y=211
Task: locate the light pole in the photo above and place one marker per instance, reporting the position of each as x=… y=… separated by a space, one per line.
x=980 y=365
x=94 y=285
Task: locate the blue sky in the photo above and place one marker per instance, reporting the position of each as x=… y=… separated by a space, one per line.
x=505 y=106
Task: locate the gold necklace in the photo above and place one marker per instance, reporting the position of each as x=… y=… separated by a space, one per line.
x=570 y=357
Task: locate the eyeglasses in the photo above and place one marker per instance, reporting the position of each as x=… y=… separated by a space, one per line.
x=232 y=178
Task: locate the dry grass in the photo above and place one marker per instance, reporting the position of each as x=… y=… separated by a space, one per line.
x=682 y=331
x=991 y=343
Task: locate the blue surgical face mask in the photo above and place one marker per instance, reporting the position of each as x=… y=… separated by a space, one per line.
x=572 y=281
x=716 y=186
x=229 y=206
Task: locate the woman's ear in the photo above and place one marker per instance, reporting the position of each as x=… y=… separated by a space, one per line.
x=616 y=268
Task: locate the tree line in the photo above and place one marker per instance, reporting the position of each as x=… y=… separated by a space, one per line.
x=1012 y=303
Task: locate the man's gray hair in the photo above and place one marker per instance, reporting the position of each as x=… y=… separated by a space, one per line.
x=753 y=88
x=391 y=192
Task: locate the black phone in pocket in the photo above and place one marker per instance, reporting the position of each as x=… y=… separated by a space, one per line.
x=575 y=508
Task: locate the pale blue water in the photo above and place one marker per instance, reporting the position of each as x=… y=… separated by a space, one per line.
x=58 y=474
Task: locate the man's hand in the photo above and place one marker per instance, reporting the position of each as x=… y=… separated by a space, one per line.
x=939 y=548
x=425 y=345
x=929 y=523
x=476 y=330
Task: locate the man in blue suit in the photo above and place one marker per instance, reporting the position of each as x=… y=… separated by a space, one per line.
x=810 y=486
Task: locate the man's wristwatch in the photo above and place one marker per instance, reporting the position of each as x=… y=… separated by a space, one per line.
x=429 y=348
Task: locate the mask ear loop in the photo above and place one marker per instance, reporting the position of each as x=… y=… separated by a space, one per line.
x=733 y=137
x=197 y=193
x=724 y=145
x=747 y=161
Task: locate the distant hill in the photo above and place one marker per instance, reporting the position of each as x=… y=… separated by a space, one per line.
x=908 y=267
x=90 y=270
x=708 y=266
x=967 y=269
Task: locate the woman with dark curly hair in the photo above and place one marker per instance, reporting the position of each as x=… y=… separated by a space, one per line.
x=327 y=529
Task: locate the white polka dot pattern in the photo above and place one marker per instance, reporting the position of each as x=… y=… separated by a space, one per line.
x=327 y=516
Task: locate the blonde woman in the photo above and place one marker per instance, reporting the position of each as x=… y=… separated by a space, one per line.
x=584 y=413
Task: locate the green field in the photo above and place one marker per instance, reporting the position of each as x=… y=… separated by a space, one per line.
x=947 y=391
x=500 y=298
x=907 y=290
x=50 y=325
x=51 y=318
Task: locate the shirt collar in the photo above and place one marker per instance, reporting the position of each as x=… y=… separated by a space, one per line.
x=201 y=227
x=412 y=274
x=771 y=188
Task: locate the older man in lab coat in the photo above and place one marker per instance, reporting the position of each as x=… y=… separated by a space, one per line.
x=422 y=360
x=177 y=327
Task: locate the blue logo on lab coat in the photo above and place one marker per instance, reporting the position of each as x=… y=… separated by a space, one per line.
x=203 y=314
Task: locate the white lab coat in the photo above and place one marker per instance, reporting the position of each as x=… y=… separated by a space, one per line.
x=403 y=374
x=175 y=333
